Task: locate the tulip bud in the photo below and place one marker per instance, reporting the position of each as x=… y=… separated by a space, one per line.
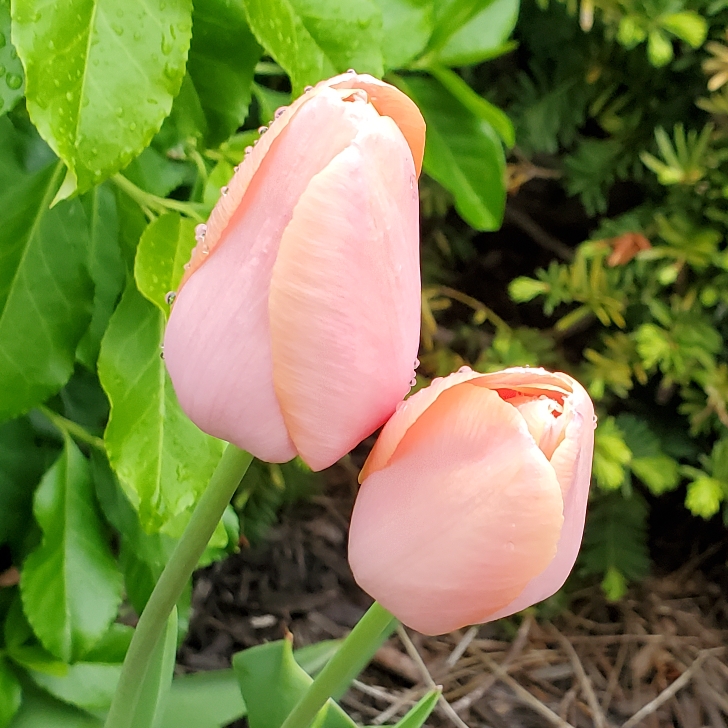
x=297 y=322
x=473 y=500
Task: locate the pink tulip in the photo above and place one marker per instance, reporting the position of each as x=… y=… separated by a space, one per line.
x=297 y=323
x=473 y=499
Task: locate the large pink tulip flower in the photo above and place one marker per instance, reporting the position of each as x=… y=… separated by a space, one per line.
x=473 y=499
x=296 y=326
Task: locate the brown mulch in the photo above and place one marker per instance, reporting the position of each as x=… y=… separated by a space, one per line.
x=656 y=659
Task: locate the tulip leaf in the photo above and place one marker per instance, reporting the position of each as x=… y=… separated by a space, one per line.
x=45 y=291
x=406 y=28
x=162 y=460
x=87 y=685
x=10 y=693
x=483 y=37
x=164 y=248
x=12 y=80
x=222 y=61
x=314 y=39
x=106 y=266
x=420 y=712
x=70 y=585
x=100 y=77
x=272 y=682
x=463 y=153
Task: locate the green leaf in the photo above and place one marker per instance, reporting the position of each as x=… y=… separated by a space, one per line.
x=106 y=266
x=86 y=685
x=22 y=463
x=704 y=496
x=452 y=15
x=40 y=710
x=10 y=693
x=45 y=291
x=611 y=455
x=462 y=153
x=156 y=173
x=222 y=61
x=272 y=682
x=483 y=37
x=314 y=39
x=100 y=77
x=164 y=248
x=406 y=28
x=479 y=106
x=659 y=473
x=659 y=48
x=162 y=460
x=34 y=657
x=70 y=585
x=687 y=25
x=149 y=711
x=12 y=78
x=420 y=712
x=204 y=700
x=268 y=102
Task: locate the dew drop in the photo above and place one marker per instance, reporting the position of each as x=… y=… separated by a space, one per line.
x=413 y=381
x=308 y=88
x=201 y=230
x=464 y=370
x=119 y=13
x=417 y=363
x=236 y=168
x=137 y=36
x=169 y=298
x=186 y=266
x=262 y=129
x=205 y=249
x=594 y=421
x=13 y=81
x=167 y=46
x=511 y=546
x=279 y=112
x=117 y=29
x=350 y=70
x=3 y=40
x=224 y=190
x=161 y=353
x=51 y=45
x=132 y=126
x=248 y=150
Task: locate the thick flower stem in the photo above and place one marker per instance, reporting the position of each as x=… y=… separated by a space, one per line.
x=344 y=666
x=179 y=568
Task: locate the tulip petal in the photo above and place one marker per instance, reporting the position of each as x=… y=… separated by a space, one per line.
x=345 y=296
x=572 y=464
x=217 y=343
x=390 y=101
x=467 y=512
x=407 y=413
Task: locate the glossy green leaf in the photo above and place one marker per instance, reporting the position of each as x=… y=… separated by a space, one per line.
x=22 y=464
x=70 y=585
x=268 y=102
x=40 y=710
x=45 y=291
x=12 y=77
x=101 y=76
x=154 y=172
x=272 y=682
x=222 y=61
x=10 y=693
x=462 y=153
x=406 y=28
x=204 y=700
x=35 y=657
x=162 y=460
x=106 y=266
x=150 y=709
x=484 y=36
x=450 y=17
x=420 y=712
x=479 y=106
x=86 y=685
x=112 y=647
x=314 y=39
x=164 y=249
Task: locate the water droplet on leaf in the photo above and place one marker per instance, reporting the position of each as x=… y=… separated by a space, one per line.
x=13 y=81
x=169 y=298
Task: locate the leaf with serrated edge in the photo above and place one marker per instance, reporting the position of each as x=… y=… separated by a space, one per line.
x=45 y=291
x=314 y=39
x=164 y=248
x=162 y=460
x=70 y=585
x=100 y=76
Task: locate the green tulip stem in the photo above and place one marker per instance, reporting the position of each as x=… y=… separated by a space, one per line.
x=344 y=666
x=183 y=561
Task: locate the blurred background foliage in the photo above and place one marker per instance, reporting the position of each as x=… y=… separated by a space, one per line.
x=595 y=134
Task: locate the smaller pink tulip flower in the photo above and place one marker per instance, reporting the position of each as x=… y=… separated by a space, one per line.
x=472 y=502
x=296 y=326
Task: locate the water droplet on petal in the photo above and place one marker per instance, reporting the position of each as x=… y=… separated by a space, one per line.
x=308 y=88
x=201 y=230
x=417 y=363
x=169 y=298
x=464 y=370
x=594 y=421
x=236 y=168
x=248 y=150
x=262 y=129
x=279 y=112
x=224 y=190
x=413 y=381
x=511 y=546
x=350 y=70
